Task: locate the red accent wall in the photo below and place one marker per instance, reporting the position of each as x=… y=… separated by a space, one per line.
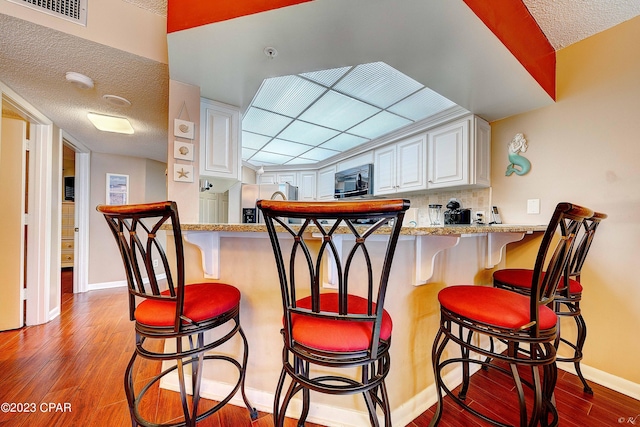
x=512 y=23
x=185 y=14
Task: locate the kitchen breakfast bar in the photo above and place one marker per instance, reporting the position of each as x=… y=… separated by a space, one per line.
x=427 y=259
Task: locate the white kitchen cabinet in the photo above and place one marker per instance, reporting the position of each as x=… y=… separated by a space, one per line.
x=459 y=154
x=401 y=166
x=326 y=183
x=268 y=178
x=279 y=178
x=304 y=180
x=287 y=178
x=482 y=153
x=307 y=186
x=220 y=146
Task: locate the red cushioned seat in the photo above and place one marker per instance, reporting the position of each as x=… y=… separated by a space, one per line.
x=202 y=301
x=521 y=278
x=493 y=306
x=336 y=335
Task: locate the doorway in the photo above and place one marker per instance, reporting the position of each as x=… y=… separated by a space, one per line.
x=68 y=224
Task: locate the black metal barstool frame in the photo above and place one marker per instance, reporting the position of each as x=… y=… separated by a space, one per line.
x=528 y=345
x=566 y=298
x=297 y=358
x=128 y=223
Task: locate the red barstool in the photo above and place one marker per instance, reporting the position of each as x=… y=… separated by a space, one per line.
x=568 y=295
x=334 y=329
x=171 y=309
x=469 y=315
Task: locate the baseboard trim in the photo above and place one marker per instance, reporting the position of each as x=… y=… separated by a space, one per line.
x=106 y=285
x=326 y=415
x=605 y=379
x=117 y=283
x=54 y=313
x=332 y=416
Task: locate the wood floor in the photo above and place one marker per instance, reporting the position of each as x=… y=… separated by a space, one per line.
x=77 y=362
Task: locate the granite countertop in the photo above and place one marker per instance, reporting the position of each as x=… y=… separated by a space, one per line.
x=410 y=231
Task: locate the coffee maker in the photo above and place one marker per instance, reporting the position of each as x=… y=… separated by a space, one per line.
x=455 y=214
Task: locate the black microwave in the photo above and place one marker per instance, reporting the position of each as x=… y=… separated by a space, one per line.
x=354 y=182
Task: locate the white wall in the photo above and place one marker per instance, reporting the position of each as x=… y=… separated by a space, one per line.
x=146 y=178
x=184 y=103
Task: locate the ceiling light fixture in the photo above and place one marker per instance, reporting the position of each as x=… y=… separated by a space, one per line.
x=79 y=80
x=110 y=123
x=117 y=100
x=271 y=52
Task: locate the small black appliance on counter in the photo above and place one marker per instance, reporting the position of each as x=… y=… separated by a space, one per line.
x=456 y=215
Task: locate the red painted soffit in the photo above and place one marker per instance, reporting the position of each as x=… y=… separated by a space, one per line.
x=512 y=23
x=185 y=14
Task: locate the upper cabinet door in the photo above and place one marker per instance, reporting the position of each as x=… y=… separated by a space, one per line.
x=482 y=153
x=326 y=183
x=307 y=187
x=384 y=170
x=219 y=143
x=448 y=148
x=401 y=166
x=411 y=167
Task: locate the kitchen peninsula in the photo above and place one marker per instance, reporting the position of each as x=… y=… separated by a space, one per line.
x=429 y=241
x=433 y=257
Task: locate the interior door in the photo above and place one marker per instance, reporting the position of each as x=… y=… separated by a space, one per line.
x=12 y=187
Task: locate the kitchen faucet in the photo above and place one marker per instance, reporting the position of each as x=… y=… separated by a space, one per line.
x=273 y=196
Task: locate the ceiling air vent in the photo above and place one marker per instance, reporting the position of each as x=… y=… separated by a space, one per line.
x=71 y=10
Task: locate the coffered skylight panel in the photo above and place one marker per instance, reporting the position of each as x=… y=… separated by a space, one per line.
x=309 y=117
x=253 y=140
x=287 y=95
x=380 y=124
x=327 y=77
x=248 y=152
x=378 y=84
x=319 y=154
x=307 y=133
x=287 y=148
x=300 y=161
x=344 y=142
x=421 y=105
x=262 y=157
x=337 y=111
x=264 y=122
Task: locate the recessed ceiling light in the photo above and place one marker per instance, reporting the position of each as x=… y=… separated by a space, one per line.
x=79 y=80
x=110 y=123
x=117 y=100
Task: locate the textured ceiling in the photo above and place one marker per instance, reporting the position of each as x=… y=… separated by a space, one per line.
x=565 y=22
x=34 y=59
x=155 y=6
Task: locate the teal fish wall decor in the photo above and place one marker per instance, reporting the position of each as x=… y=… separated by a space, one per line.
x=518 y=164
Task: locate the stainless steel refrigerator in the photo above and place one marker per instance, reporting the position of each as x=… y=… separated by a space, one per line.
x=251 y=193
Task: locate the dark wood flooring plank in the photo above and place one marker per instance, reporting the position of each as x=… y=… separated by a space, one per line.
x=80 y=357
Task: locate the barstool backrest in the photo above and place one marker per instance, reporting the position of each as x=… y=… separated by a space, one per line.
x=554 y=254
x=338 y=233
x=137 y=230
x=589 y=228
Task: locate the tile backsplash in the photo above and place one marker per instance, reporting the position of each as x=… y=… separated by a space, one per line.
x=477 y=199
